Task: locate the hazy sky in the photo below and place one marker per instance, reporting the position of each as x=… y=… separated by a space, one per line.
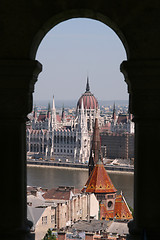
x=74 y=49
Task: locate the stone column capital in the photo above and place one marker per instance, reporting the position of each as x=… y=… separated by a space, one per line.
x=19 y=74
x=16 y=86
x=143 y=79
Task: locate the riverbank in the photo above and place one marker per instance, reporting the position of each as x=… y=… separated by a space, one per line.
x=78 y=166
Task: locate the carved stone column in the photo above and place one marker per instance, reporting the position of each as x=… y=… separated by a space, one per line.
x=143 y=79
x=17 y=80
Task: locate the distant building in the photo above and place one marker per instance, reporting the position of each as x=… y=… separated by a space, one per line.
x=57 y=138
x=117 y=138
x=117 y=145
x=122 y=123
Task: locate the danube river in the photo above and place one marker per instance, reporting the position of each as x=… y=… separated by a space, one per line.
x=53 y=177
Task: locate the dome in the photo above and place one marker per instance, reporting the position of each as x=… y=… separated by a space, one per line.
x=89 y=100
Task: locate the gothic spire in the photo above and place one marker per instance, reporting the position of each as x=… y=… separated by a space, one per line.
x=114 y=111
x=53 y=104
x=87 y=85
x=54 y=120
x=63 y=113
x=96 y=144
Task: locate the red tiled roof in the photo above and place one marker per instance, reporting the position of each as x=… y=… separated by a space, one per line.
x=121 y=208
x=59 y=194
x=120 y=212
x=104 y=214
x=58 y=117
x=54 y=193
x=99 y=181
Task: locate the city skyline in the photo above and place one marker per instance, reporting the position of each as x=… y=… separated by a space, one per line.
x=75 y=49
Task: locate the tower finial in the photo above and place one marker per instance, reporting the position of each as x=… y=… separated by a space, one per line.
x=87 y=85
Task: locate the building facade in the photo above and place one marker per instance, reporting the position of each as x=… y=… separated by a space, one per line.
x=52 y=139
x=117 y=145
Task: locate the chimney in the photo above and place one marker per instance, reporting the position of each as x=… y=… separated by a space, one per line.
x=89 y=236
x=61 y=236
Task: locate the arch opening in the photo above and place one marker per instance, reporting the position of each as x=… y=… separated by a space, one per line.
x=58 y=139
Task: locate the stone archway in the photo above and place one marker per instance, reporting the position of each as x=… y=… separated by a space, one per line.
x=23 y=25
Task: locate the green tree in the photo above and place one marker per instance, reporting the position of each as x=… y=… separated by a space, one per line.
x=49 y=235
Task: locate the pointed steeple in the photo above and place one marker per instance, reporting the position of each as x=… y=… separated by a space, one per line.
x=49 y=110
x=87 y=85
x=35 y=112
x=49 y=107
x=54 y=118
x=114 y=112
x=96 y=144
x=53 y=104
x=63 y=113
x=91 y=162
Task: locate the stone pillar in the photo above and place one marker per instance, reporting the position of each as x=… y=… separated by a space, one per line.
x=143 y=79
x=16 y=87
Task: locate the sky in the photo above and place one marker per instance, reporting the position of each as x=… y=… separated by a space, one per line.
x=75 y=49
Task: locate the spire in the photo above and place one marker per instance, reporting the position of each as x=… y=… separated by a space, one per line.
x=91 y=162
x=53 y=104
x=96 y=145
x=82 y=105
x=63 y=113
x=114 y=112
x=54 y=120
x=49 y=110
x=35 y=112
x=87 y=85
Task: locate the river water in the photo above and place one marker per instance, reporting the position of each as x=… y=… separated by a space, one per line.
x=53 y=177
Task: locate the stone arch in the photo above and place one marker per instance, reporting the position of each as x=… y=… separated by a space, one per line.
x=23 y=25
x=76 y=13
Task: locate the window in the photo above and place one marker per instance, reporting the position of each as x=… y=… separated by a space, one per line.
x=52 y=218
x=110 y=196
x=44 y=220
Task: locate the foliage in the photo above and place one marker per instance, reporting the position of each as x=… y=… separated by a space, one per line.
x=49 y=235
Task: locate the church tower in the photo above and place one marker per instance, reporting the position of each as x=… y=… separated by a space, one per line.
x=54 y=119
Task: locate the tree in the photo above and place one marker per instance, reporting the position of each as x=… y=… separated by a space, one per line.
x=49 y=235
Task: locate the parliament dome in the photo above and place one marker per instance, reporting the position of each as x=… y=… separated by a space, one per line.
x=89 y=100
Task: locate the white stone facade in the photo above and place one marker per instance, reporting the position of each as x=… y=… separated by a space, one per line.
x=49 y=139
